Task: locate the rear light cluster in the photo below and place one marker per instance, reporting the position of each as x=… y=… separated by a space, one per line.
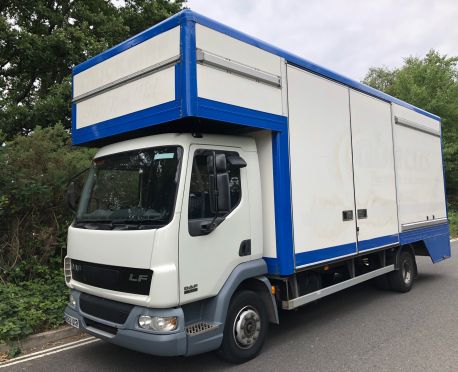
x=68 y=269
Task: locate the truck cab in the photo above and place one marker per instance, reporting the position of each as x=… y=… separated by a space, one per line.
x=157 y=217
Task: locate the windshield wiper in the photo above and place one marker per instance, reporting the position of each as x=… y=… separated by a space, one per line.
x=138 y=223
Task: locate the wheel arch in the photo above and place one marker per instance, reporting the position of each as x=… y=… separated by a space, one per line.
x=248 y=275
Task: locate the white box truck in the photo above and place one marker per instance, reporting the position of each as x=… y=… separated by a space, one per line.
x=233 y=179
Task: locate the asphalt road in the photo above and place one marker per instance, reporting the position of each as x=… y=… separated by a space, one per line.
x=360 y=329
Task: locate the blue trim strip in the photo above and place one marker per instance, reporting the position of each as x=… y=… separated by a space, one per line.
x=417 y=235
x=324 y=254
x=283 y=205
x=189 y=68
x=149 y=33
x=140 y=119
x=365 y=245
x=214 y=110
x=436 y=239
x=273 y=266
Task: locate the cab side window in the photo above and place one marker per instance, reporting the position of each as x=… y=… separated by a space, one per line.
x=199 y=191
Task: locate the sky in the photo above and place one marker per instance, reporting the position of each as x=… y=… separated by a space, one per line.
x=347 y=36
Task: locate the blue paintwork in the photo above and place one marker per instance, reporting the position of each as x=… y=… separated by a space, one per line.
x=324 y=254
x=436 y=238
x=189 y=68
x=365 y=245
x=282 y=202
x=140 y=119
x=214 y=110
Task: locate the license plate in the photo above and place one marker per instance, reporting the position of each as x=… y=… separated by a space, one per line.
x=74 y=322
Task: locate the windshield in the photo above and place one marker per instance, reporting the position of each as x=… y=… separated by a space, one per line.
x=133 y=188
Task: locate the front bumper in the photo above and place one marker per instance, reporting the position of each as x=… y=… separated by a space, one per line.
x=129 y=334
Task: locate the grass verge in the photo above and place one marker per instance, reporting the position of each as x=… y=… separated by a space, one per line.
x=453 y=217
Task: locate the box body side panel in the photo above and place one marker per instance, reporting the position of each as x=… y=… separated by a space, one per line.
x=419 y=172
x=214 y=82
x=139 y=57
x=373 y=161
x=321 y=165
x=264 y=146
x=129 y=90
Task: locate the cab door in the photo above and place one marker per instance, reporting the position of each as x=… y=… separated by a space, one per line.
x=207 y=259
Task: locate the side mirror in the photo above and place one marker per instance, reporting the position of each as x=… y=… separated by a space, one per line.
x=71 y=196
x=236 y=161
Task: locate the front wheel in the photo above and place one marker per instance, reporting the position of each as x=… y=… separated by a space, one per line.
x=246 y=328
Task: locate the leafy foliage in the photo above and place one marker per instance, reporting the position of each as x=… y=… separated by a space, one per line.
x=40 y=42
x=432 y=84
x=30 y=306
x=34 y=172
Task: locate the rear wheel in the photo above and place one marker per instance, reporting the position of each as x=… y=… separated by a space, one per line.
x=246 y=328
x=402 y=279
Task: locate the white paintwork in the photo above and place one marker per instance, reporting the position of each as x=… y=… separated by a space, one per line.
x=373 y=163
x=256 y=205
x=143 y=55
x=284 y=87
x=111 y=247
x=208 y=260
x=321 y=164
x=158 y=249
x=419 y=176
x=148 y=91
x=222 y=86
x=264 y=145
x=236 y=50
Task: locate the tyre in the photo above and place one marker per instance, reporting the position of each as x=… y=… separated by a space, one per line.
x=402 y=280
x=245 y=329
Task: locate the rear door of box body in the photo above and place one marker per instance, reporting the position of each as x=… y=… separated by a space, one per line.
x=373 y=167
x=419 y=173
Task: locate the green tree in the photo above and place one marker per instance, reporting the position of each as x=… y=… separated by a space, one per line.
x=40 y=42
x=430 y=83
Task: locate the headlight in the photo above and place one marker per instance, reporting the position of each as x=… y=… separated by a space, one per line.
x=68 y=269
x=144 y=321
x=72 y=301
x=158 y=323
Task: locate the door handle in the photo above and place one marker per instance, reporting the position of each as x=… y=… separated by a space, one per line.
x=245 y=248
x=362 y=213
x=347 y=215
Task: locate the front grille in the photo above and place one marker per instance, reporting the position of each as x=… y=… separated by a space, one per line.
x=102 y=327
x=115 y=278
x=113 y=311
